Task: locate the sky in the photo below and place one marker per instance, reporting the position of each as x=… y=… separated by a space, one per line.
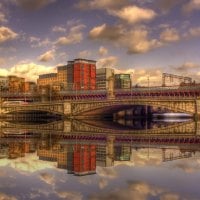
x=143 y=37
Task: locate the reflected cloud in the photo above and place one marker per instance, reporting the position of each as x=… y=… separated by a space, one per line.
x=47 y=178
x=7 y=197
x=103 y=183
x=28 y=164
x=69 y=195
x=137 y=190
x=107 y=172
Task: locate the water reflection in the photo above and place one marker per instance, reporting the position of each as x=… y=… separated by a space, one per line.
x=59 y=161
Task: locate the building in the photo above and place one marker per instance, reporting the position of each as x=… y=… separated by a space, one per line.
x=16 y=84
x=122 y=81
x=3 y=83
x=81 y=74
x=57 y=81
x=30 y=86
x=47 y=79
x=62 y=76
x=102 y=76
x=81 y=159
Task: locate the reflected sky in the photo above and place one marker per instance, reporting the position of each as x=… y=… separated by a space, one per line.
x=44 y=166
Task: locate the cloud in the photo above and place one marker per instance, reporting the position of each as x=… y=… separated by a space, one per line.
x=2 y=17
x=191 y=6
x=3 y=72
x=103 y=4
x=84 y=54
x=187 y=66
x=2 y=61
x=167 y=5
x=133 y=14
x=110 y=61
x=6 y=34
x=32 y=5
x=37 y=42
x=141 y=76
x=170 y=35
x=103 y=51
x=7 y=197
x=194 y=32
x=73 y=37
x=135 y=40
x=170 y=196
x=47 y=56
x=58 y=29
x=29 y=70
x=106 y=32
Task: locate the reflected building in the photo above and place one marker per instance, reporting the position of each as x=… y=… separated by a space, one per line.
x=81 y=159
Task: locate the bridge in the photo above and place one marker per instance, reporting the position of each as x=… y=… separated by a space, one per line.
x=83 y=108
x=79 y=104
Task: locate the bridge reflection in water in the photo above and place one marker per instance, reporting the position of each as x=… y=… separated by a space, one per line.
x=79 y=147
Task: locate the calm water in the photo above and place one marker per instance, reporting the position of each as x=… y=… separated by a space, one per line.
x=99 y=160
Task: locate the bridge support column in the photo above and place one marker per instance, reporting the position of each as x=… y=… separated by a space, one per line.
x=197 y=109
x=110 y=151
x=67 y=110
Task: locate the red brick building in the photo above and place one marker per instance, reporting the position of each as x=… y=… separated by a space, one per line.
x=81 y=74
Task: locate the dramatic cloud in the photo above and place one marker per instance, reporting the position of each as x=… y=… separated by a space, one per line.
x=134 y=14
x=30 y=70
x=69 y=195
x=135 y=40
x=194 y=32
x=143 y=77
x=170 y=35
x=84 y=54
x=6 y=34
x=58 y=29
x=110 y=61
x=103 y=4
x=47 y=56
x=2 y=61
x=2 y=17
x=73 y=37
x=136 y=190
x=33 y=4
x=7 y=197
x=47 y=178
x=107 y=172
x=37 y=42
x=167 y=5
x=103 y=51
x=191 y=6
x=106 y=32
x=4 y=72
x=187 y=66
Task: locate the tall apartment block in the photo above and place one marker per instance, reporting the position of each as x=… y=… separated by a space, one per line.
x=81 y=74
x=102 y=77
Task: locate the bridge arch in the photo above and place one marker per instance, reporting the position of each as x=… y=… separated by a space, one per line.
x=94 y=108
